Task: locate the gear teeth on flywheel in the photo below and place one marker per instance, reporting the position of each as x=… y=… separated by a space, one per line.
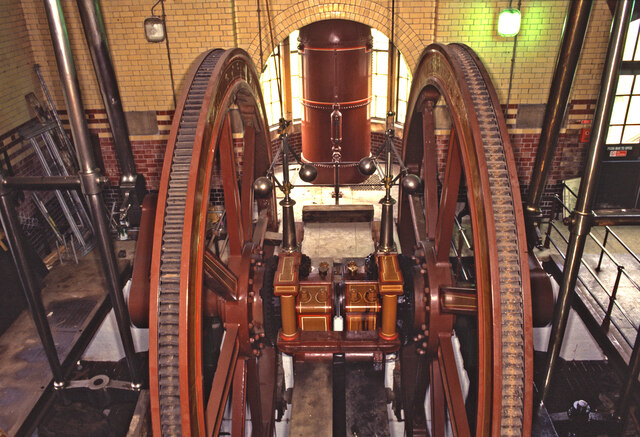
x=170 y=263
x=511 y=292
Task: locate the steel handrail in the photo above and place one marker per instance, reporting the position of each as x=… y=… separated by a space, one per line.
x=604 y=310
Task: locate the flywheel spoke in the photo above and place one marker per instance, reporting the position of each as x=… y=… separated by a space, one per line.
x=248 y=165
x=217 y=278
x=437 y=398
x=453 y=391
x=430 y=167
x=239 y=399
x=232 y=203
x=261 y=381
x=222 y=380
x=448 y=200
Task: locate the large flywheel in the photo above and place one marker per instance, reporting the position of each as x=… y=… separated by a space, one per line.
x=205 y=321
x=211 y=268
x=483 y=293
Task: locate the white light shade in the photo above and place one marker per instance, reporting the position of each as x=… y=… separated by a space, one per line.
x=509 y=22
x=154 y=29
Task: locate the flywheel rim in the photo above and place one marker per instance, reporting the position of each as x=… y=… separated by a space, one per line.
x=455 y=73
x=217 y=78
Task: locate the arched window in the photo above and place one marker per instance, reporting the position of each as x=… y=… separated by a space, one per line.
x=624 y=125
x=379 y=78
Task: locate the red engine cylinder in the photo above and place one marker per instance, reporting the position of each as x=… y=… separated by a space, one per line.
x=336 y=69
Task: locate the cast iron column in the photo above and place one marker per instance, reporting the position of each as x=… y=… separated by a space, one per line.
x=29 y=284
x=582 y=216
x=90 y=178
x=94 y=31
x=572 y=39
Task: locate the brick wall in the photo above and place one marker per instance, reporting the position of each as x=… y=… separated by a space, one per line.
x=197 y=25
x=142 y=68
x=17 y=76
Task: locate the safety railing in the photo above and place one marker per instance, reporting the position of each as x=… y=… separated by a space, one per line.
x=554 y=236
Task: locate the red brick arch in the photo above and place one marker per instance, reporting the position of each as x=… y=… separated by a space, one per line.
x=367 y=12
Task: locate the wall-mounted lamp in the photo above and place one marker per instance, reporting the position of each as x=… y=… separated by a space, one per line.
x=509 y=22
x=154 y=26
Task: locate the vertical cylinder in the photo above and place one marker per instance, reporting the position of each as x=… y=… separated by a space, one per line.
x=336 y=69
x=386 y=243
x=288 y=312
x=389 y=312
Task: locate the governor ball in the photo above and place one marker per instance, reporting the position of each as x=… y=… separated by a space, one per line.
x=367 y=166
x=262 y=187
x=308 y=172
x=411 y=183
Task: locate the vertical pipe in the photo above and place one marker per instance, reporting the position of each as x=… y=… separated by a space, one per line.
x=285 y=49
x=572 y=39
x=392 y=78
x=386 y=243
x=582 y=217
x=336 y=182
x=289 y=243
x=29 y=284
x=95 y=34
x=90 y=177
x=391 y=66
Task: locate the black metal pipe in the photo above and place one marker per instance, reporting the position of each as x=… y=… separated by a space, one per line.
x=42 y=182
x=90 y=178
x=572 y=39
x=386 y=243
x=582 y=217
x=95 y=34
x=289 y=241
x=336 y=182
x=30 y=286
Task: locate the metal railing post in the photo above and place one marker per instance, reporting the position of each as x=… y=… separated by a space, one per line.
x=554 y=211
x=604 y=244
x=606 y=321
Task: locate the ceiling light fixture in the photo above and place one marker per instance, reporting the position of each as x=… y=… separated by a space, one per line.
x=509 y=22
x=154 y=29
